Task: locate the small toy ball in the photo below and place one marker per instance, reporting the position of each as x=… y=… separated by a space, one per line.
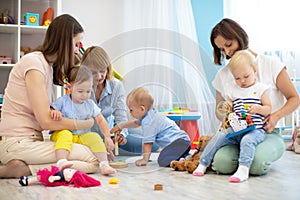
x=113 y=181
x=158 y=187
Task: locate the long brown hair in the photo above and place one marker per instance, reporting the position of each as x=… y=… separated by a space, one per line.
x=59 y=42
x=229 y=30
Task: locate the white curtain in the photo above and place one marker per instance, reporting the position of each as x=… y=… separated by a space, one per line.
x=273 y=30
x=159 y=50
x=272 y=27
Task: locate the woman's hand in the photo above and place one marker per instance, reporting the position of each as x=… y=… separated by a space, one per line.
x=270 y=122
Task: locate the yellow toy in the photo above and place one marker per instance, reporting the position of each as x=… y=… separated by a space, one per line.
x=113 y=181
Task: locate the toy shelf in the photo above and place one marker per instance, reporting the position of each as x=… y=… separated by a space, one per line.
x=14 y=34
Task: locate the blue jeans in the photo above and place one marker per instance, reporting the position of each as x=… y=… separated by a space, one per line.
x=134 y=145
x=246 y=141
x=135 y=142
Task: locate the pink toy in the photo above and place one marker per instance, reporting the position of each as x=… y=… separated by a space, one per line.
x=60 y=178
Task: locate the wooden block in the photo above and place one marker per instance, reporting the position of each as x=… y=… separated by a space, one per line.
x=158 y=187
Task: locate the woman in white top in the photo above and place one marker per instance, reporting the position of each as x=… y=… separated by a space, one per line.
x=227 y=37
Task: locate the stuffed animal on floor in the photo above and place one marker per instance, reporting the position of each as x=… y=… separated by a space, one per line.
x=295 y=146
x=297 y=142
x=190 y=163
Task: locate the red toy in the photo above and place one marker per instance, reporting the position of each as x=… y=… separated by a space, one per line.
x=65 y=177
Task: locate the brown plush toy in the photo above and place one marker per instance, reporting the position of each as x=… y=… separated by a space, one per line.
x=297 y=143
x=295 y=146
x=191 y=163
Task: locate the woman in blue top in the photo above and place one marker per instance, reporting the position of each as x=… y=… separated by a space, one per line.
x=175 y=143
x=109 y=95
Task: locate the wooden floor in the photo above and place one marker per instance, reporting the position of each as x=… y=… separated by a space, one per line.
x=282 y=182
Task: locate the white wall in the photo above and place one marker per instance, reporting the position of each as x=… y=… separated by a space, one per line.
x=101 y=19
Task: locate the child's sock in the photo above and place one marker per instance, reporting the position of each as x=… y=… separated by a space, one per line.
x=200 y=170
x=106 y=169
x=240 y=175
x=63 y=163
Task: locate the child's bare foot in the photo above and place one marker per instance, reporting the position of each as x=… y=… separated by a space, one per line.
x=63 y=164
x=106 y=169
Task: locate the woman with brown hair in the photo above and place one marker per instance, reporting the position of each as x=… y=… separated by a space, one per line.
x=26 y=107
x=227 y=37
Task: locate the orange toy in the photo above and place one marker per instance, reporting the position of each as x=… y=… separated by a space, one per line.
x=47 y=17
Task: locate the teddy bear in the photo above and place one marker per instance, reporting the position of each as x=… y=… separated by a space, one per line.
x=297 y=142
x=189 y=164
x=24 y=50
x=295 y=146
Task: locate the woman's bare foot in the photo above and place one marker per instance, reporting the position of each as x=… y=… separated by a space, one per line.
x=14 y=169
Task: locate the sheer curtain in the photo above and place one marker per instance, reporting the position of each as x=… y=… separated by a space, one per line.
x=273 y=30
x=271 y=26
x=159 y=50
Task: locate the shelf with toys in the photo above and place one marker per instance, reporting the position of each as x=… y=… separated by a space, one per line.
x=23 y=24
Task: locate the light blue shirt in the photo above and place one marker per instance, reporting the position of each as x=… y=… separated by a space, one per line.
x=160 y=129
x=72 y=110
x=112 y=104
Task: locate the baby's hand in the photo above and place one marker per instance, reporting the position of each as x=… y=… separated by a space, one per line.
x=141 y=162
x=227 y=106
x=120 y=138
x=56 y=115
x=254 y=109
x=116 y=129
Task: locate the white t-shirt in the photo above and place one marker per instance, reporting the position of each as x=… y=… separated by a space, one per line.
x=251 y=95
x=268 y=69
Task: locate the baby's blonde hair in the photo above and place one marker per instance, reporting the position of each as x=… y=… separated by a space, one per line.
x=242 y=57
x=141 y=96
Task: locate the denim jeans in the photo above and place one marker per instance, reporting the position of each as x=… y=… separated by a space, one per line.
x=135 y=142
x=246 y=141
